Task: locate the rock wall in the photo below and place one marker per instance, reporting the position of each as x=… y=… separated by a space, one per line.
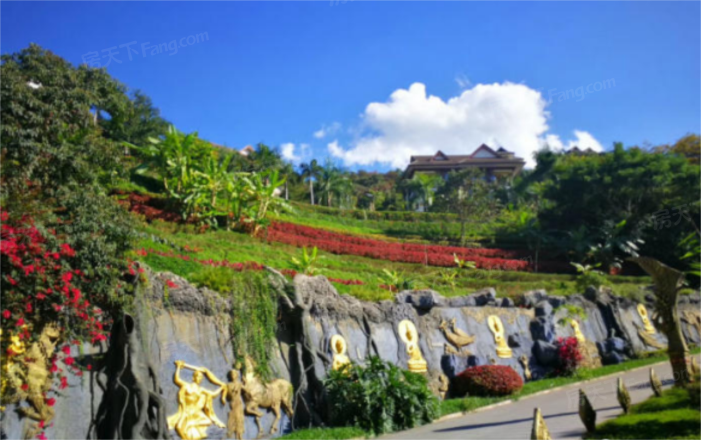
x=189 y=324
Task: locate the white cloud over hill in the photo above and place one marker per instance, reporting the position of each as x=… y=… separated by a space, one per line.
x=411 y=122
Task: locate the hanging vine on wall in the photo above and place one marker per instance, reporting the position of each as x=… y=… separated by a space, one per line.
x=253 y=320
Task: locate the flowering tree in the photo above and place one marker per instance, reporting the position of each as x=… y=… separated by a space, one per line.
x=42 y=288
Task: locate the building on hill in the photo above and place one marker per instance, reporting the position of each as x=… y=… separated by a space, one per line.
x=496 y=164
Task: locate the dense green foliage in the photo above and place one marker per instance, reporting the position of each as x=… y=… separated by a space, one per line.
x=379 y=397
x=57 y=159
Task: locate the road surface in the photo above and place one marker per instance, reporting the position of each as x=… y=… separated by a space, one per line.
x=559 y=408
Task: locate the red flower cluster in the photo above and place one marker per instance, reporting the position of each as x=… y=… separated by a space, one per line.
x=432 y=255
x=488 y=381
x=40 y=285
x=569 y=355
x=238 y=267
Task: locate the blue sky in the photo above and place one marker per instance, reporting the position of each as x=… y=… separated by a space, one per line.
x=510 y=74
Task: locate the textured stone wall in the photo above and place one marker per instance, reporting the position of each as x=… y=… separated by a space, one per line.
x=192 y=325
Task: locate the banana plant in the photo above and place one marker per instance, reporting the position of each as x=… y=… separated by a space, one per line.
x=265 y=190
x=306 y=264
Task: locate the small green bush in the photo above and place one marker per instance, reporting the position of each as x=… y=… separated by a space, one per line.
x=591 y=278
x=379 y=397
x=219 y=279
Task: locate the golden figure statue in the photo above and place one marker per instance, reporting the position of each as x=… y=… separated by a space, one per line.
x=648 y=339
x=275 y=394
x=577 y=332
x=31 y=369
x=496 y=326
x=540 y=429
x=408 y=333
x=195 y=409
x=526 y=369
x=642 y=311
x=235 y=424
x=339 y=349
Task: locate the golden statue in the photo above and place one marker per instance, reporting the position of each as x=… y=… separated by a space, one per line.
x=540 y=429
x=526 y=369
x=235 y=425
x=456 y=336
x=496 y=326
x=408 y=333
x=648 y=339
x=339 y=349
x=195 y=409
x=642 y=311
x=274 y=395
x=577 y=332
x=31 y=370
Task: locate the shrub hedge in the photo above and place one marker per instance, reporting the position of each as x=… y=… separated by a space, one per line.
x=488 y=381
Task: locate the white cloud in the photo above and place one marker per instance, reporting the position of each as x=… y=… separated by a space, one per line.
x=288 y=152
x=327 y=130
x=583 y=140
x=411 y=122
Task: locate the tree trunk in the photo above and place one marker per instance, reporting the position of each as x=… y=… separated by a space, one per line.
x=311 y=190
x=287 y=192
x=667 y=284
x=677 y=348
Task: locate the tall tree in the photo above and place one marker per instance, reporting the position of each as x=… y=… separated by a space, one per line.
x=467 y=194
x=310 y=172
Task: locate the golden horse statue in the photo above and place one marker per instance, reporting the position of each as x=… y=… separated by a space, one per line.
x=275 y=394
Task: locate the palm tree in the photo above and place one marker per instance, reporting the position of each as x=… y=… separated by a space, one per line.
x=310 y=171
x=265 y=158
x=428 y=184
x=330 y=180
x=288 y=172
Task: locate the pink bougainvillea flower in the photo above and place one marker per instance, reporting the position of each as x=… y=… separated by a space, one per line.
x=6 y=314
x=51 y=401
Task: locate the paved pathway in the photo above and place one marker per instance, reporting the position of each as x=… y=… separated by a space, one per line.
x=560 y=410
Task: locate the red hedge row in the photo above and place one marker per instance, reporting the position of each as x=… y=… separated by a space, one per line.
x=488 y=381
x=432 y=255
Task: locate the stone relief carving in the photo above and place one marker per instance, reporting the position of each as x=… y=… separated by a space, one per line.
x=408 y=334
x=456 y=336
x=195 y=408
x=339 y=347
x=497 y=328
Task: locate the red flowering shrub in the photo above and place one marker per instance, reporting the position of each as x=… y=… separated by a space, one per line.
x=569 y=356
x=488 y=381
x=40 y=286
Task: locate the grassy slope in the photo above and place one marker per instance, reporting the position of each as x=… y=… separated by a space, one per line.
x=671 y=416
x=236 y=247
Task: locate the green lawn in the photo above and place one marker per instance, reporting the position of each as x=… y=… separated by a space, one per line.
x=451 y=406
x=237 y=247
x=671 y=416
x=325 y=434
